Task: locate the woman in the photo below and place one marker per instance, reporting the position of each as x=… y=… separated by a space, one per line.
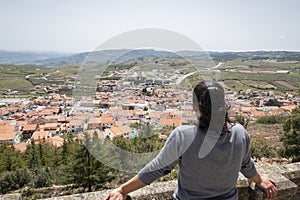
x=210 y=155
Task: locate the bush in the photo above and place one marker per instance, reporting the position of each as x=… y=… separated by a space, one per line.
x=23 y=177
x=291 y=137
x=7 y=182
x=42 y=179
x=13 y=180
x=272 y=119
x=260 y=149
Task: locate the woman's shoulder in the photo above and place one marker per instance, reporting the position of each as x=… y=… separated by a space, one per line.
x=238 y=130
x=184 y=131
x=186 y=128
x=237 y=127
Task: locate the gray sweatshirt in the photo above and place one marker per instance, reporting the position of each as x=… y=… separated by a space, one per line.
x=213 y=176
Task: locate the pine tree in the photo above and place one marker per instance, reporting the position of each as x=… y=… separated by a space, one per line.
x=33 y=161
x=41 y=154
x=88 y=172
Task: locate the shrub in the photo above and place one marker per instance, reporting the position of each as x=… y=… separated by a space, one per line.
x=272 y=119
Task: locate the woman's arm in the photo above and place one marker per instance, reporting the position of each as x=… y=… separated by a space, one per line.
x=249 y=170
x=267 y=184
x=161 y=165
x=121 y=192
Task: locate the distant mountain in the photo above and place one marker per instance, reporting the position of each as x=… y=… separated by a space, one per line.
x=105 y=56
x=248 y=55
x=27 y=57
x=256 y=55
x=189 y=53
x=95 y=56
x=56 y=59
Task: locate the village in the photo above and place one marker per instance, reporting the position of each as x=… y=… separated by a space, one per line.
x=121 y=108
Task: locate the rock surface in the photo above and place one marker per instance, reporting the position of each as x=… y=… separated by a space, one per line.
x=287 y=178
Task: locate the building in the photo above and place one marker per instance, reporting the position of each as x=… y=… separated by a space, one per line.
x=9 y=134
x=41 y=135
x=76 y=126
x=28 y=130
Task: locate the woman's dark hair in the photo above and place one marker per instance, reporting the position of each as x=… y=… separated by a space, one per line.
x=209 y=100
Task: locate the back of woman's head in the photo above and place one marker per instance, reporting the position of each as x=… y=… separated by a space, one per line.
x=209 y=104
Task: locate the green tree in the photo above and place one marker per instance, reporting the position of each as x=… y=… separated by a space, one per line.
x=37 y=156
x=273 y=102
x=32 y=157
x=145 y=108
x=41 y=154
x=260 y=149
x=23 y=177
x=64 y=162
x=291 y=136
x=87 y=172
x=7 y=182
x=42 y=178
x=10 y=159
x=12 y=180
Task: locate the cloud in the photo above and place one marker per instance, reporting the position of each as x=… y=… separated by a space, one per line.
x=282 y=36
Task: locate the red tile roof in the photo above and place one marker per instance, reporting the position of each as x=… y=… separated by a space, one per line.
x=116 y=131
x=7 y=136
x=107 y=120
x=20 y=147
x=171 y=121
x=55 y=141
x=6 y=129
x=29 y=127
x=40 y=135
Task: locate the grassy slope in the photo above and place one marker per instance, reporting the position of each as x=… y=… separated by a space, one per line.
x=13 y=77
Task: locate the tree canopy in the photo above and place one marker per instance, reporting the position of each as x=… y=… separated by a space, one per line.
x=291 y=136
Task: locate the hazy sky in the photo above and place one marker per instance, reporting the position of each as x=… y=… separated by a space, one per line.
x=82 y=25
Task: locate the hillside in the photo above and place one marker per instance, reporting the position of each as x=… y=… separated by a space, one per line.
x=57 y=59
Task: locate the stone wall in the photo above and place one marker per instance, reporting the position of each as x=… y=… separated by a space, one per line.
x=287 y=179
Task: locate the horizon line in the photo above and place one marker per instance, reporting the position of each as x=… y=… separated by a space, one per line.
x=209 y=50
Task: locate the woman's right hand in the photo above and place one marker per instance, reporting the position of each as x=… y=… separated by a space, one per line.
x=121 y=192
x=116 y=194
x=269 y=186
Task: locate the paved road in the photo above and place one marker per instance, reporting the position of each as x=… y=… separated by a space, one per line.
x=180 y=79
x=218 y=65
